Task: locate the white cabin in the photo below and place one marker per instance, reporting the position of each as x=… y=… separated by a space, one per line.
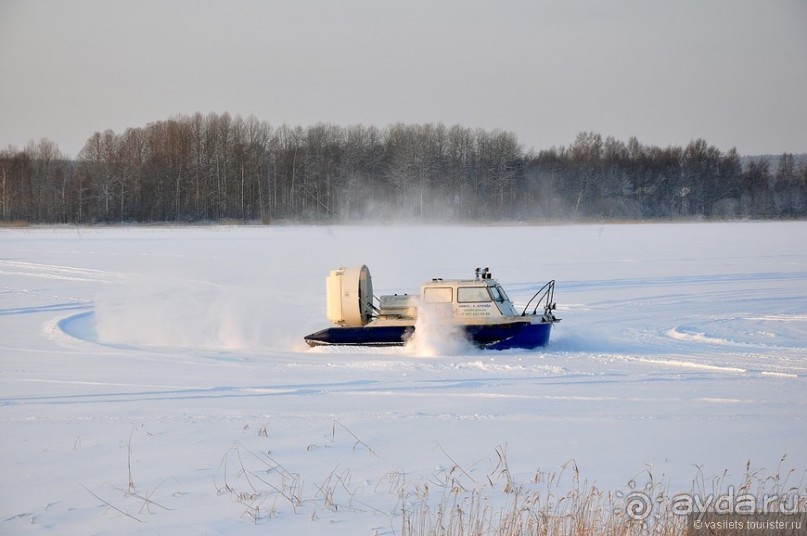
x=472 y=301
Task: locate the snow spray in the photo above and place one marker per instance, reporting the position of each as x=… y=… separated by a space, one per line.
x=435 y=332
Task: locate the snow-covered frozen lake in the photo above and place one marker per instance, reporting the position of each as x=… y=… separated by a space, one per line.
x=154 y=379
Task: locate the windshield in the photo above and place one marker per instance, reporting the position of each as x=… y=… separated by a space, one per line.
x=499 y=294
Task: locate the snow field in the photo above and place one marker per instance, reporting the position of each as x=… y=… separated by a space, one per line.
x=154 y=379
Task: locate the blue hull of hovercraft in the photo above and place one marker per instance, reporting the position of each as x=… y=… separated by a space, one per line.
x=524 y=335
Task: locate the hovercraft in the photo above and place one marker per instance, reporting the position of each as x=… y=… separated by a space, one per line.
x=479 y=307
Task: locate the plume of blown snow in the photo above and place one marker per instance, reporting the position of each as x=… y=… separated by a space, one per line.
x=436 y=334
x=184 y=314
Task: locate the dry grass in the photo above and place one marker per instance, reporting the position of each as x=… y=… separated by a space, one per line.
x=562 y=504
x=458 y=501
x=557 y=503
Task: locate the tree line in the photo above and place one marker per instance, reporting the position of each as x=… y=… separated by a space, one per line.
x=217 y=167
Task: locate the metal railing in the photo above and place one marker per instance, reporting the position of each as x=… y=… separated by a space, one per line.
x=546 y=296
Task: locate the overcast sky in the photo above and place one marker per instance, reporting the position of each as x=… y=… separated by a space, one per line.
x=733 y=72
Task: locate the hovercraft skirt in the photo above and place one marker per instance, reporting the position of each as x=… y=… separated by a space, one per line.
x=361 y=336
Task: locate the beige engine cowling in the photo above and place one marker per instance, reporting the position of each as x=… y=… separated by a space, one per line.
x=349 y=296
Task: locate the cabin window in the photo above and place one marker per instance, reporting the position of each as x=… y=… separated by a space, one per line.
x=473 y=294
x=497 y=296
x=438 y=294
